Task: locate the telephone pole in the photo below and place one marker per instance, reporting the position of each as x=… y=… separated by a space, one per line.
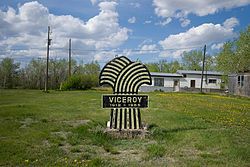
x=69 y=58
x=203 y=66
x=47 y=61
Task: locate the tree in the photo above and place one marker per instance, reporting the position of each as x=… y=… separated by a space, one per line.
x=226 y=59
x=210 y=63
x=153 y=67
x=59 y=72
x=92 y=68
x=192 y=60
x=84 y=77
x=164 y=66
x=243 y=51
x=235 y=55
x=161 y=66
x=9 y=73
x=174 y=66
x=35 y=74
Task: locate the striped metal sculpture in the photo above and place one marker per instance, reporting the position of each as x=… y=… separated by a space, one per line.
x=125 y=77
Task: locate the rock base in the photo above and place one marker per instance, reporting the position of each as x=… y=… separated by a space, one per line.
x=127 y=133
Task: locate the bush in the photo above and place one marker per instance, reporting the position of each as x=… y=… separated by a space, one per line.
x=80 y=82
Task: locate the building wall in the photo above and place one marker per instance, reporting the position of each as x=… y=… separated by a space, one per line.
x=232 y=83
x=186 y=82
x=168 y=81
x=246 y=87
x=236 y=89
x=183 y=83
x=168 y=85
x=154 y=88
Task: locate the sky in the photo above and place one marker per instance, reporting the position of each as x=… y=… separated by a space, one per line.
x=145 y=30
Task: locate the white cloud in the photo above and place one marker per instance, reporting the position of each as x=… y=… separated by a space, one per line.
x=217 y=46
x=146 y=41
x=182 y=9
x=145 y=49
x=147 y=46
x=94 y=2
x=231 y=22
x=135 y=4
x=26 y=28
x=196 y=37
x=105 y=56
x=132 y=20
x=173 y=54
x=147 y=22
x=151 y=47
x=165 y=22
x=184 y=22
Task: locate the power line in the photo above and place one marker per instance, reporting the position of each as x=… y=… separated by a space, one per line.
x=106 y=50
x=77 y=52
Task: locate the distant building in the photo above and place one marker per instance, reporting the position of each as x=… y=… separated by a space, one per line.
x=239 y=84
x=184 y=80
x=166 y=82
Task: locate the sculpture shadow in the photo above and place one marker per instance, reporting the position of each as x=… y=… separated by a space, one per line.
x=166 y=134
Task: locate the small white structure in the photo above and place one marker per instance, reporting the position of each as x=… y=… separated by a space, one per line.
x=183 y=80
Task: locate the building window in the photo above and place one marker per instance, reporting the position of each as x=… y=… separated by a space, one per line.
x=213 y=81
x=158 y=81
x=241 y=80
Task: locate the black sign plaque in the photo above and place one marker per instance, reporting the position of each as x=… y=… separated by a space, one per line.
x=125 y=101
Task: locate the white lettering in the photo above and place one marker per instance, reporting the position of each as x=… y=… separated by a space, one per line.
x=139 y=99
x=118 y=99
x=111 y=99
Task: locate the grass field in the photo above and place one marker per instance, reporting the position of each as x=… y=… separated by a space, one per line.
x=66 y=129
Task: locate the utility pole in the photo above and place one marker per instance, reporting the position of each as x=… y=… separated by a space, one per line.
x=47 y=62
x=203 y=66
x=69 y=58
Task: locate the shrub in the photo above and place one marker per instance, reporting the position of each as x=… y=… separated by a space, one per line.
x=80 y=82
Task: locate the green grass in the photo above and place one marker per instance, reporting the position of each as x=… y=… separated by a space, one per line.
x=66 y=129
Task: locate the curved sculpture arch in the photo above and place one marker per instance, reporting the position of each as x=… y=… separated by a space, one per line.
x=125 y=77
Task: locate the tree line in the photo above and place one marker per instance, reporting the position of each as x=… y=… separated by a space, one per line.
x=33 y=75
x=189 y=61
x=234 y=57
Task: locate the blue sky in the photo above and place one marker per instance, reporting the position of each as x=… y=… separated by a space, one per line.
x=148 y=30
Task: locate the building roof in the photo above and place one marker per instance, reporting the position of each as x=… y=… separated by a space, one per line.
x=239 y=73
x=198 y=72
x=180 y=73
x=160 y=74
